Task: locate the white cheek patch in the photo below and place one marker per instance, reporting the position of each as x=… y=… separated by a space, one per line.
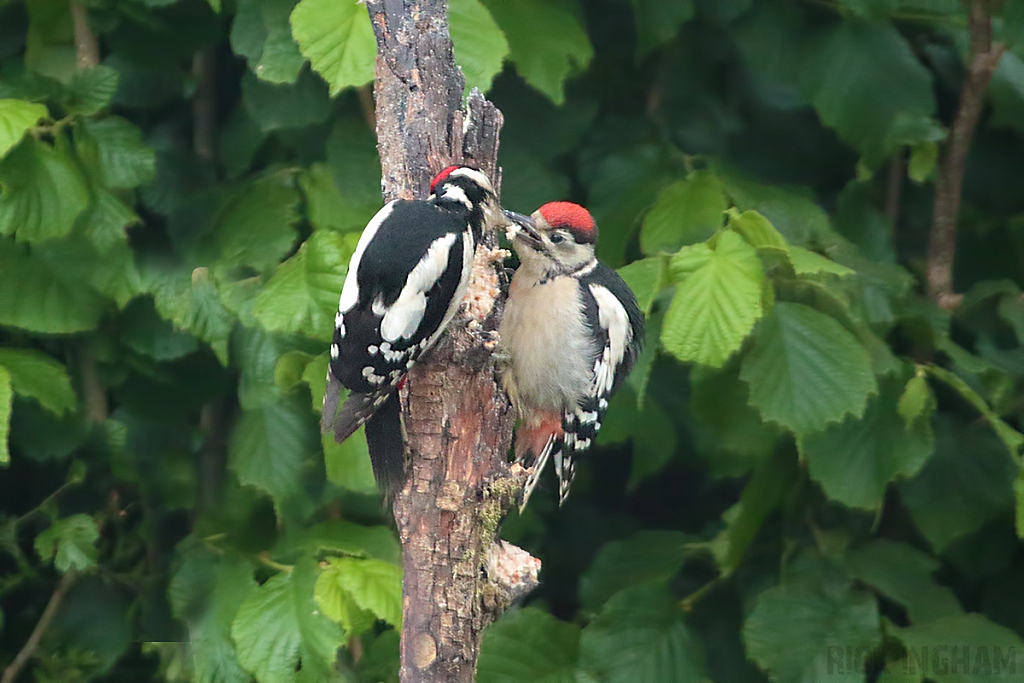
x=474 y=175
x=456 y=193
x=403 y=317
x=350 y=291
x=613 y=319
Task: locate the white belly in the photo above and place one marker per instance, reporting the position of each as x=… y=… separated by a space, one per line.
x=551 y=355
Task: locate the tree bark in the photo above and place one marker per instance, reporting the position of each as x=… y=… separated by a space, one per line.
x=457 y=420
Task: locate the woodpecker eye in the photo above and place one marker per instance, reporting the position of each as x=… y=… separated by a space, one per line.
x=557 y=237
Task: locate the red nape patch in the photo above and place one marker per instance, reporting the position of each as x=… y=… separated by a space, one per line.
x=567 y=215
x=441 y=176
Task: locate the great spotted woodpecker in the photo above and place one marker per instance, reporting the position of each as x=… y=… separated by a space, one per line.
x=406 y=278
x=571 y=333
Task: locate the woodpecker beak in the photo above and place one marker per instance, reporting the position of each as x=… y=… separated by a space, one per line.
x=523 y=226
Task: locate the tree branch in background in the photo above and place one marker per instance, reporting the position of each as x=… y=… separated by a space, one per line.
x=29 y=648
x=894 y=187
x=204 y=105
x=87 y=48
x=984 y=58
x=458 y=421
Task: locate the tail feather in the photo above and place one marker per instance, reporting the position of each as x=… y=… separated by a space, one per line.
x=387 y=447
x=537 y=470
x=332 y=394
x=354 y=412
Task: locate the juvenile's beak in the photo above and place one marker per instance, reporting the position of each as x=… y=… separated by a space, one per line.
x=524 y=225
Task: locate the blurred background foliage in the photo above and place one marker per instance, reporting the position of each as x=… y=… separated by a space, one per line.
x=811 y=457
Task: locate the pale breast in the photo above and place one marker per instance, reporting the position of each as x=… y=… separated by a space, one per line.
x=545 y=335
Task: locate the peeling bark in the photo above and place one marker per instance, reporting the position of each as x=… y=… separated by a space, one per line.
x=457 y=420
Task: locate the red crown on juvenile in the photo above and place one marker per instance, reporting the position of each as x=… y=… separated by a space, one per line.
x=441 y=176
x=571 y=217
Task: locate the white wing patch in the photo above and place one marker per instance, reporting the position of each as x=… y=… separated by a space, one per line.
x=612 y=317
x=404 y=316
x=350 y=291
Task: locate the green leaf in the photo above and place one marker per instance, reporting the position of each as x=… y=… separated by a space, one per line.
x=646 y=277
x=91 y=90
x=256 y=227
x=327 y=208
x=756 y=229
x=1011 y=438
x=113 y=151
x=806 y=262
x=71 y=542
x=208 y=591
x=315 y=375
x=303 y=294
x=622 y=187
x=374 y=585
x=924 y=157
x=806 y=370
x=193 y=304
x=794 y=628
x=967 y=648
x=686 y=212
x=43 y=193
x=338 y=41
x=16 y=118
x=348 y=463
x=479 y=45
x=640 y=635
x=280 y=633
x=647 y=556
x=658 y=22
x=885 y=90
x=718 y=302
x=904 y=574
x=546 y=41
x=856 y=459
x=917 y=401
x=347 y=538
x=339 y=605
x=968 y=482
x=797 y=217
x=39 y=299
x=261 y=33
x=529 y=646
x=272 y=445
x=287 y=105
x=726 y=421
x=6 y=405
x=38 y=376
x=105 y=220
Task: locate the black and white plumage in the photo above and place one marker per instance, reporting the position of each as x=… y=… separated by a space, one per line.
x=406 y=278
x=571 y=331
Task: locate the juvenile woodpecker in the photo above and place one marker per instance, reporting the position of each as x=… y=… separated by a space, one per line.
x=571 y=333
x=406 y=278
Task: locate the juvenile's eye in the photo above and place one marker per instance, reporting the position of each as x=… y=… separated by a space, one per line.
x=557 y=238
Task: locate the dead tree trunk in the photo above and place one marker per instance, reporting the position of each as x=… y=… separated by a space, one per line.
x=458 y=423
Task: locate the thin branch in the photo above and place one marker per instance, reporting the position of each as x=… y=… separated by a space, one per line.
x=93 y=393
x=29 y=648
x=894 y=187
x=204 y=105
x=87 y=48
x=983 y=60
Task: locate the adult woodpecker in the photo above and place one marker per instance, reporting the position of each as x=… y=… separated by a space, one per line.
x=406 y=278
x=571 y=333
